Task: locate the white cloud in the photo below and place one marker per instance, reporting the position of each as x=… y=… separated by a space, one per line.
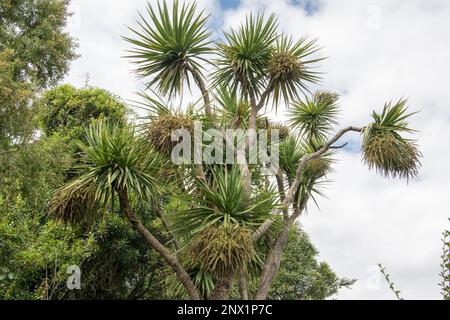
x=402 y=52
x=99 y=27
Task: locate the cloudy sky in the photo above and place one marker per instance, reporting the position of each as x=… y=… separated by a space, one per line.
x=378 y=51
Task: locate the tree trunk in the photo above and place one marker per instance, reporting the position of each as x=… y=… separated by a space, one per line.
x=182 y=275
x=223 y=287
x=166 y=225
x=201 y=85
x=273 y=260
x=252 y=124
x=245 y=172
x=272 y=264
x=243 y=288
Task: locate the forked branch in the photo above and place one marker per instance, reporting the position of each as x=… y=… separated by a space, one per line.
x=298 y=178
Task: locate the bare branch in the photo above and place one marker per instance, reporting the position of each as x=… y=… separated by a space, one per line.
x=243 y=286
x=281 y=191
x=171 y=259
x=298 y=178
x=339 y=147
x=262 y=229
x=201 y=85
x=309 y=157
x=160 y=213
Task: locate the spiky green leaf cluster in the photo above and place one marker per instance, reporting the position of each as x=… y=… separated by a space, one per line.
x=318 y=167
x=153 y=105
x=233 y=111
x=385 y=149
x=290 y=68
x=224 y=202
x=113 y=158
x=169 y=46
x=292 y=150
x=314 y=173
x=315 y=117
x=244 y=54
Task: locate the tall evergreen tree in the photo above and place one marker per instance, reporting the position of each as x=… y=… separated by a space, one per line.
x=35 y=53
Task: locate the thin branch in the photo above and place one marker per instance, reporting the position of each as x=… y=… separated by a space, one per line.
x=159 y=212
x=281 y=191
x=201 y=85
x=298 y=178
x=298 y=211
x=262 y=229
x=309 y=157
x=252 y=125
x=390 y=283
x=445 y=266
x=339 y=147
x=200 y=173
x=171 y=259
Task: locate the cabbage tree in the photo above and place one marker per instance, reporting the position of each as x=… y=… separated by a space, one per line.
x=229 y=223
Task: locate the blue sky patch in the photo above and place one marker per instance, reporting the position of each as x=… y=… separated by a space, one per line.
x=230 y=4
x=310 y=6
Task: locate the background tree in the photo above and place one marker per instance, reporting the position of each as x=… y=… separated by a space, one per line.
x=36 y=250
x=300 y=276
x=68 y=110
x=34 y=32
x=445 y=265
x=35 y=52
x=15 y=114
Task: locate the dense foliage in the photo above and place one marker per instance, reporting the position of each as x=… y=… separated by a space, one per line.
x=15 y=114
x=34 y=32
x=35 y=52
x=36 y=250
x=66 y=108
x=86 y=186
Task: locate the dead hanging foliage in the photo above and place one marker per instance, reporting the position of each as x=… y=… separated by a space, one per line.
x=161 y=128
x=74 y=204
x=283 y=131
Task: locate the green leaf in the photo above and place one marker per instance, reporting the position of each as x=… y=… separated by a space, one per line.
x=169 y=45
x=244 y=55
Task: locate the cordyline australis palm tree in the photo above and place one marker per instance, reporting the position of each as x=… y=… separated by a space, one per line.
x=229 y=223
